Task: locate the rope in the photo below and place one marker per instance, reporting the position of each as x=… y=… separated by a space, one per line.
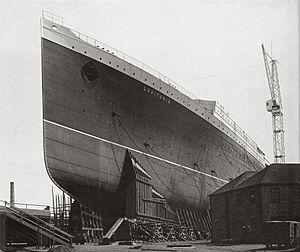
x=204 y=179
x=157 y=175
x=113 y=150
x=220 y=74
x=236 y=83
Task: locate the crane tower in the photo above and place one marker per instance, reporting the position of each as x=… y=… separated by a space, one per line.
x=274 y=105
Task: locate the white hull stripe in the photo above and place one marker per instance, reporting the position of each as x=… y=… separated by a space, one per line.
x=137 y=151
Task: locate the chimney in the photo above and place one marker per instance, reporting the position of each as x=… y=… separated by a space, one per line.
x=12 y=194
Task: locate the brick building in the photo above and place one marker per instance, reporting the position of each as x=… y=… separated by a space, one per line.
x=239 y=208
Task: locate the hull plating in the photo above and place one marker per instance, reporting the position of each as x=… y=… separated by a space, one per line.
x=89 y=124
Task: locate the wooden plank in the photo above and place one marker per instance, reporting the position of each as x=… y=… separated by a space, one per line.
x=197 y=221
x=42 y=230
x=2 y=230
x=114 y=228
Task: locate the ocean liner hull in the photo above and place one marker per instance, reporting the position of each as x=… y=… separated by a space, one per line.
x=97 y=106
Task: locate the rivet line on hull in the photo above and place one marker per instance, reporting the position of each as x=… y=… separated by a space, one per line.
x=135 y=150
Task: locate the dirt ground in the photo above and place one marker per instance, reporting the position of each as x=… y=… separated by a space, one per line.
x=161 y=246
x=178 y=246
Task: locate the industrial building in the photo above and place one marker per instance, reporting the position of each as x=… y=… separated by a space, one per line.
x=239 y=209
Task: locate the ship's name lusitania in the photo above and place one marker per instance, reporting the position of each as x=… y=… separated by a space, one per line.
x=157 y=94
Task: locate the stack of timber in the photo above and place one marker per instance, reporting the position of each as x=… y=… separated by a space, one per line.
x=155 y=231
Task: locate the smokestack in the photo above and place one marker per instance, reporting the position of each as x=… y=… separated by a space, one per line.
x=12 y=194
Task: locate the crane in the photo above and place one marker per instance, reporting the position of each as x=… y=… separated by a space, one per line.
x=274 y=105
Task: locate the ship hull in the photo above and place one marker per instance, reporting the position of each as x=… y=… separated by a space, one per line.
x=89 y=125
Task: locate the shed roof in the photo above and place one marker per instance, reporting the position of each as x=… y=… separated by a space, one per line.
x=273 y=174
x=232 y=185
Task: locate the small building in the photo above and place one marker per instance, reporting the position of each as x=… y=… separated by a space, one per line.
x=239 y=208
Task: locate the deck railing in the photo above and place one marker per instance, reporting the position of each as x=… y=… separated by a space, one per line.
x=220 y=112
x=52 y=17
x=247 y=142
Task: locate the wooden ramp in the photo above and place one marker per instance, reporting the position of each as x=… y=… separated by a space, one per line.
x=24 y=218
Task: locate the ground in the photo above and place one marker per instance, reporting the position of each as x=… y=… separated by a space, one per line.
x=193 y=246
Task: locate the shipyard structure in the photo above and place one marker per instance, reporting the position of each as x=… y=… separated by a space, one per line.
x=125 y=140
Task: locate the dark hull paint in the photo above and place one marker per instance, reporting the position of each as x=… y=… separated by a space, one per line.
x=90 y=168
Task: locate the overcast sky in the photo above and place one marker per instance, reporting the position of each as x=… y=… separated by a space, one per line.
x=211 y=47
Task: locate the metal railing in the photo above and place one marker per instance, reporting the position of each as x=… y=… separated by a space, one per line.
x=222 y=115
x=52 y=17
x=123 y=56
x=29 y=206
x=250 y=145
x=133 y=62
